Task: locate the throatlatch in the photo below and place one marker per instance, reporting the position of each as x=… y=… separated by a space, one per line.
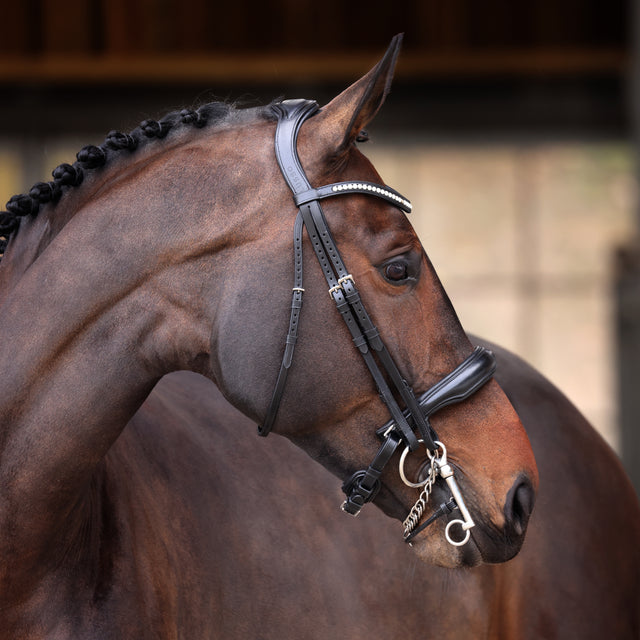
x=459 y=385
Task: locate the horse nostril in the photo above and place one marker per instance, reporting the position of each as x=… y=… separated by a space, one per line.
x=519 y=505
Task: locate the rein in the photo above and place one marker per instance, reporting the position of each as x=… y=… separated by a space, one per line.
x=460 y=384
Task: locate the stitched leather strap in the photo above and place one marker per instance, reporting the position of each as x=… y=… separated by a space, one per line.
x=363 y=330
x=460 y=384
x=475 y=371
x=363 y=486
x=291 y=115
x=292 y=334
x=340 y=297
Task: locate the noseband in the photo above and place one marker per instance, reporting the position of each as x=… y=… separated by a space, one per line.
x=409 y=426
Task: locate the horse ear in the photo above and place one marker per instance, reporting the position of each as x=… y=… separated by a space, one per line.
x=351 y=111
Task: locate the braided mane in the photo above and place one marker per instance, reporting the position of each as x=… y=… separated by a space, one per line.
x=92 y=157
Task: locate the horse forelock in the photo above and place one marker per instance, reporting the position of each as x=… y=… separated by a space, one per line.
x=117 y=146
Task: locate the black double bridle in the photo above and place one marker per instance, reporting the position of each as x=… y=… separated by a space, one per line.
x=457 y=386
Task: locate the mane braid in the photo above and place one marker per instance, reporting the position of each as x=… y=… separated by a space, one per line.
x=91 y=158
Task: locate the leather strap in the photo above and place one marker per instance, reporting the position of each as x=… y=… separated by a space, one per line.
x=291 y=115
x=363 y=486
x=461 y=383
x=338 y=286
x=292 y=334
x=344 y=188
x=475 y=371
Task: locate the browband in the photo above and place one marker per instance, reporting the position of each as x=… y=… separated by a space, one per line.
x=345 y=188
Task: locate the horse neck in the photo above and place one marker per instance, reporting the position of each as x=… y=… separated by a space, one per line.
x=36 y=233
x=116 y=299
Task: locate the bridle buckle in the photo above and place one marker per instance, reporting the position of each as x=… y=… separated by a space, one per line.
x=340 y=284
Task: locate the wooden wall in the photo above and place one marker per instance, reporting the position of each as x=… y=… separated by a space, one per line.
x=88 y=40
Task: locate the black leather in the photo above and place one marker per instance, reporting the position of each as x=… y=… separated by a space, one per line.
x=459 y=385
x=292 y=334
x=291 y=115
x=363 y=485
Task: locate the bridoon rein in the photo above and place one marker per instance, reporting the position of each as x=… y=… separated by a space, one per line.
x=409 y=427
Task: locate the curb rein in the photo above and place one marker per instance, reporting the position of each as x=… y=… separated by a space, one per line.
x=457 y=386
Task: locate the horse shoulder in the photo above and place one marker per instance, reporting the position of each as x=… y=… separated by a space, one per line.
x=276 y=549
x=257 y=543
x=131 y=550
x=581 y=553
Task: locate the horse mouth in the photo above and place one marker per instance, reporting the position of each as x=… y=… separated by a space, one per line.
x=441 y=527
x=485 y=544
x=440 y=552
x=471 y=554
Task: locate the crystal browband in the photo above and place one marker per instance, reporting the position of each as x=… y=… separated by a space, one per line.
x=368 y=188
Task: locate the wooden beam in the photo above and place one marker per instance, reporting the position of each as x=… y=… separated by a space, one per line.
x=284 y=68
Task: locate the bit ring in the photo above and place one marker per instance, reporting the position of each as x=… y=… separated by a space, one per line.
x=418 y=485
x=457 y=543
x=415 y=485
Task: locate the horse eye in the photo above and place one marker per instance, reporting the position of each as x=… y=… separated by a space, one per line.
x=396 y=271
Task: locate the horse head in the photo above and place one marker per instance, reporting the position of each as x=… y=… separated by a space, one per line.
x=181 y=252
x=330 y=405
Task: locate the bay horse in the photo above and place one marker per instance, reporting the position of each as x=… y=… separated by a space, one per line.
x=169 y=249
x=289 y=564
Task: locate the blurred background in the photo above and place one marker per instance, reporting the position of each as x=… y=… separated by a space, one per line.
x=510 y=126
